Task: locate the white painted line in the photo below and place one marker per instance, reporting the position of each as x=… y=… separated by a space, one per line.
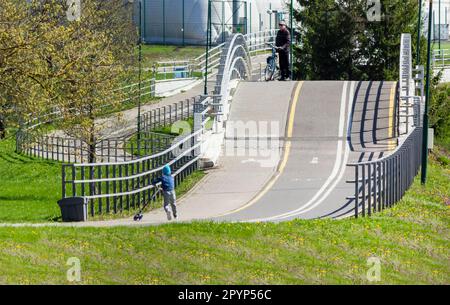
x=343 y=166
x=334 y=173
x=341 y=171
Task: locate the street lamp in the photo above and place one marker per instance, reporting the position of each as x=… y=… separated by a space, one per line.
x=439 y=27
x=208 y=43
x=419 y=28
x=292 y=39
x=427 y=100
x=139 y=75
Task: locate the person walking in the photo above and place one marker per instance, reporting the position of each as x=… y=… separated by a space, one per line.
x=283 y=42
x=168 y=190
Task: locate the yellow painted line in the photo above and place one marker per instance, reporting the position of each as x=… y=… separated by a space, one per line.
x=282 y=166
x=392 y=143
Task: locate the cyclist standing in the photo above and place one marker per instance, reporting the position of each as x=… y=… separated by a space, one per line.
x=282 y=43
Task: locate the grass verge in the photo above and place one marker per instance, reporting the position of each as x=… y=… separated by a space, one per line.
x=411 y=240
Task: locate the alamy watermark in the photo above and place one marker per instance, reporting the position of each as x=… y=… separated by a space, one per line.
x=255 y=141
x=374 y=272
x=74 y=272
x=73 y=10
x=374 y=10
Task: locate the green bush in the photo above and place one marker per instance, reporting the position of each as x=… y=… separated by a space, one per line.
x=439 y=110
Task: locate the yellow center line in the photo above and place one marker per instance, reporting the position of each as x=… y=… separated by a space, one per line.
x=392 y=143
x=282 y=166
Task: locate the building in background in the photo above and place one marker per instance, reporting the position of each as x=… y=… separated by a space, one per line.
x=441 y=25
x=184 y=22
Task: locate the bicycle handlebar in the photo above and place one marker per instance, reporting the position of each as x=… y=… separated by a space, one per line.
x=271 y=45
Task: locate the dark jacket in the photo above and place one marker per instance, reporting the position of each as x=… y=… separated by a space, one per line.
x=167 y=182
x=283 y=40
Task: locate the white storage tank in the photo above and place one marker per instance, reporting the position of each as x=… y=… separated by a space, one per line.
x=185 y=21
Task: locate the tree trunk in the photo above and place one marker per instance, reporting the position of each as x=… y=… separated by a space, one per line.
x=92 y=145
x=2 y=128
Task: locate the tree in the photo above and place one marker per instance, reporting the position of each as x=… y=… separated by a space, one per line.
x=49 y=63
x=339 y=40
x=86 y=78
x=21 y=88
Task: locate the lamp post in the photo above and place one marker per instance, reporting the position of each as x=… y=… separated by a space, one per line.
x=427 y=100
x=140 y=79
x=139 y=75
x=182 y=29
x=270 y=15
x=419 y=28
x=439 y=26
x=292 y=39
x=208 y=42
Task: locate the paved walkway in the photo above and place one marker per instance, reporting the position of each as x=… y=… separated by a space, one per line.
x=173 y=87
x=326 y=117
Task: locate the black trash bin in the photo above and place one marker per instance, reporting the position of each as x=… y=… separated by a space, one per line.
x=73 y=209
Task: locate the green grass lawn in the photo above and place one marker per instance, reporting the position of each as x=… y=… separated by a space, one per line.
x=154 y=53
x=411 y=240
x=30 y=187
x=444 y=45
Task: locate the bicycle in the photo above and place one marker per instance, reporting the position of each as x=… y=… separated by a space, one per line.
x=272 y=70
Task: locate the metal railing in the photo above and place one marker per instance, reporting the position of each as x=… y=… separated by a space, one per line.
x=441 y=58
x=117 y=186
x=148 y=89
x=380 y=184
x=31 y=142
x=256 y=42
x=67 y=149
x=167 y=70
x=169 y=114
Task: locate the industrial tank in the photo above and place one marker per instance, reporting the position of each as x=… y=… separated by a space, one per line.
x=185 y=21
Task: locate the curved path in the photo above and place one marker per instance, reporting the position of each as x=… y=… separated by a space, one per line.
x=330 y=124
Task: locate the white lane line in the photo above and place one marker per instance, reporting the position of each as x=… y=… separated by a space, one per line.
x=334 y=173
x=315 y=160
x=342 y=169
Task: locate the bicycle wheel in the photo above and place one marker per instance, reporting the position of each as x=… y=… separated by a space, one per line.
x=270 y=70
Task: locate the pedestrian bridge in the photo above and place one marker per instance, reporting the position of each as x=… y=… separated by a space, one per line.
x=286 y=150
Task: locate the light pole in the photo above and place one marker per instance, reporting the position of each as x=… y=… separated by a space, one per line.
x=292 y=39
x=427 y=100
x=419 y=28
x=139 y=75
x=439 y=27
x=270 y=15
x=184 y=26
x=208 y=42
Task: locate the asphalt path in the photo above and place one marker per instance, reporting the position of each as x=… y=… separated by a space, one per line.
x=330 y=124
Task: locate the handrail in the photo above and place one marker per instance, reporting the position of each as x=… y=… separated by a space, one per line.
x=380 y=183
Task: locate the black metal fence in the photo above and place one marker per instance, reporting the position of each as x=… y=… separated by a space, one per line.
x=380 y=184
x=167 y=115
x=67 y=149
x=114 y=187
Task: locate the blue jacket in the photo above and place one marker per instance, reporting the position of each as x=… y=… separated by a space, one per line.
x=167 y=182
